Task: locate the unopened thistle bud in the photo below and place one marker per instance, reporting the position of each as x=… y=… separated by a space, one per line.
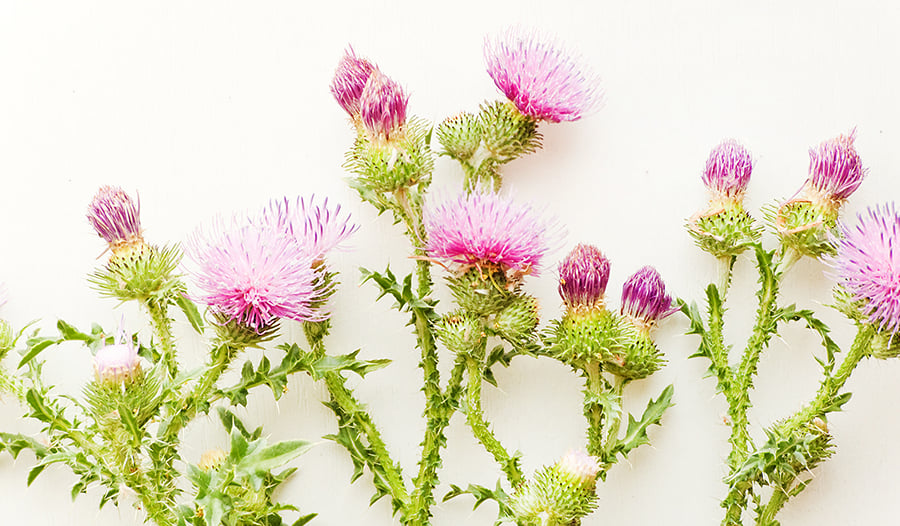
x=644 y=298
x=559 y=494
x=116 y=218
x=725 y=229
x=117 y=364
x=382 y=109
x=349 y=82
x=805 y=223
x=583 y=277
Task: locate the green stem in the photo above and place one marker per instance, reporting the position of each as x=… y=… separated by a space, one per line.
x=776 y=502
x=475 y=418
x=612 y=434
x=10 y=383
x=594 y=411
x=162 y=328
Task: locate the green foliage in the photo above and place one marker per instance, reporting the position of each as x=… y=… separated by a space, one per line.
x=636 y=432
x=483 y=494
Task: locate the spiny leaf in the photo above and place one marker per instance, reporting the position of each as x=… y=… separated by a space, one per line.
x=636 y=434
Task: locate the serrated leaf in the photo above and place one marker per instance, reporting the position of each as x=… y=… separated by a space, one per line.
x=268 y=458
x=636 y=434
x=34 y=347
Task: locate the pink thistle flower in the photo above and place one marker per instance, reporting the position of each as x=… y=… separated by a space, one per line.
x=349 y=81
x=382 y=107
x=835 y=168
x=117 y=363
x=540 y=78
x=867 y=265
x=317 y=227
x=116 y=218
x=583 y=276
x=485 y=230
x=644 y=298
x=728 y=170
x=253 y=273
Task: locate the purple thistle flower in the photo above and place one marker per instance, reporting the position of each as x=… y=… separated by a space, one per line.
x=483 y=229
x=728 y=170
x=835 y=168
x=644 y=297
x=382 y=107
x=116 y=363
x=583 y=276
x=540 y=78
x=867 y=265
x=253 y=273
x=115 y=217
x=349 y=81
x=316 y=227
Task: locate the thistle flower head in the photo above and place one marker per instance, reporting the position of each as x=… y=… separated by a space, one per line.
x=483 y=229
x=580 y=466
x=116 y=218
x=211 y=459
x=349 y=81
x=317 y=227
x=253 y=273
x=835 y=169
x=644 y=298
x=583 y=276
x=382 y=108
x=728 y=170
x=867 y=265
x=117 y=363
x=541 y=78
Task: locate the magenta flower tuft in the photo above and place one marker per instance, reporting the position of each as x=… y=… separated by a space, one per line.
x=644 y=297
x=349 y=81
x=115 y=217
x=486 y=230
x=318 y=228
x=540 y=78
x=835 y=168
x=728 y=170
x=382 y=107
x=583 y=276
x=253 y=273
x=867 y=265
x=117 y=363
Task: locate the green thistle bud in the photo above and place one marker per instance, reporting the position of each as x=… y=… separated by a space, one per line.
x=638 y=357
x=508 y=134
x=237 y=335
x=387 y=167
x=724 y=230
x=518 y=321
x=805 y=226
x=460 y=136
x=459 y=332
x=560 y=494
x=588 y=335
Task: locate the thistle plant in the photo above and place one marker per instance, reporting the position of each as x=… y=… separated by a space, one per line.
x=764 y=475
x=488 y=246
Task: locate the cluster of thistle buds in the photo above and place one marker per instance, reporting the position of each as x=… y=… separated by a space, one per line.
x=590 y=332
x=805 y=223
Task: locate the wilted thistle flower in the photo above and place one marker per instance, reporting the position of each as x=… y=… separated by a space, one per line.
x=541 y=78
x=728 y=171
x=382 y=108
x=867 y=266
x=253 y=274
x=317 y=227
x=349 y=81
x=116 y=218
x=117 y=364
x=644 y=298
x=583 y=276
x=487 y=231
x=835 y=171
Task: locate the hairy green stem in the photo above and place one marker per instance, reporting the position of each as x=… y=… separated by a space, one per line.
x=162 y=328
x=595 y=385
x=612 y=434
x=480 y=428
x=776 y=502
